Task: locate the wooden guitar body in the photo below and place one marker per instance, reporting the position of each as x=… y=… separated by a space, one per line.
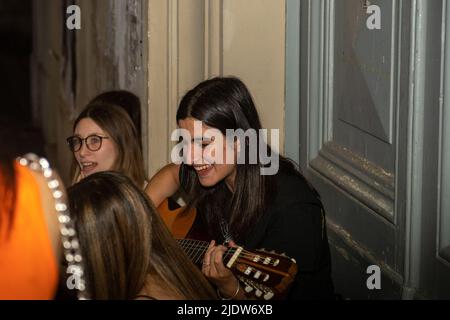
x=178 y=220
x=267 y=274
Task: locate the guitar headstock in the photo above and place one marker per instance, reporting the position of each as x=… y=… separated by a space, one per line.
x=267 y=274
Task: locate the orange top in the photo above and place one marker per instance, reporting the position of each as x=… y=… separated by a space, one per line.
x=28 y=266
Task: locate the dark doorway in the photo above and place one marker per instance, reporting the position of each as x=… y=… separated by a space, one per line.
x=15 y=91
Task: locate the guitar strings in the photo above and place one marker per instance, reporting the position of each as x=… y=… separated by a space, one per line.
x=199 y=248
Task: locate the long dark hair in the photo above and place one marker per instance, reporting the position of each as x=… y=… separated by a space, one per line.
x=123 y=240
x=118 y=124
x=7 y=178
x=226 y=103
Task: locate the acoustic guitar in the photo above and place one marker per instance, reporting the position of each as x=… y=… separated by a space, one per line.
x=267 y=274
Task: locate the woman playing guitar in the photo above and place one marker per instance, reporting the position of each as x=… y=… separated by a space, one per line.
x=244 y=200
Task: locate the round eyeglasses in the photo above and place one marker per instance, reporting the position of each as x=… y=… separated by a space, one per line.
x=93 y=142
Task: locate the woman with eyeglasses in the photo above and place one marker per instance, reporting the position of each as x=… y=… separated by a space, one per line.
x=105 y=138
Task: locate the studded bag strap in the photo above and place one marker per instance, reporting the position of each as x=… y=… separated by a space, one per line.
x=70 y=244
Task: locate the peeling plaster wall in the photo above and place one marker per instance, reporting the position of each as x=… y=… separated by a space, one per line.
x=109 y=54
x=111 y=47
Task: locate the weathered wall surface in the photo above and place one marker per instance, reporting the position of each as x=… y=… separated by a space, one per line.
x=70 y=67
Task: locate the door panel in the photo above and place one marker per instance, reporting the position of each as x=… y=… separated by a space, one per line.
x=373 y=140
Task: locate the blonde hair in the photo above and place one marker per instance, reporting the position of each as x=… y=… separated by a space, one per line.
x=123 y=240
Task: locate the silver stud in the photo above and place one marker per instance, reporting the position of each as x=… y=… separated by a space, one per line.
x=57 y=194
x=53 y=184
x=23 y=162
x=61 y=207
x=64 y=218
x=48 y=173
x=44 y=163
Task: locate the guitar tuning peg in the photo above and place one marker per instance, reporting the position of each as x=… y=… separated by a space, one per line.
x=258 y=293
x=248 y=289
x=293 y=260
x=266 y=278
x=269 y=295
x=257 y=275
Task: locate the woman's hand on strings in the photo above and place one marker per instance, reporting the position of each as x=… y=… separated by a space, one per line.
x=214 y=269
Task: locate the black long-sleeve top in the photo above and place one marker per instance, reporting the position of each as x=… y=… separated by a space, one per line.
x=294 y=223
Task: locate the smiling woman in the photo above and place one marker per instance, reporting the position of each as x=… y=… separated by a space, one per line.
x=235 y=201
x=95 y=155
x=105 y=138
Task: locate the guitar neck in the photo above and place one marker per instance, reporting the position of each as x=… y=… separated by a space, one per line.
x=267 y=274
x=196 y=250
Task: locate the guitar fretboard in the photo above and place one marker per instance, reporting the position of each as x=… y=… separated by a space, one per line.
x=196 y=249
